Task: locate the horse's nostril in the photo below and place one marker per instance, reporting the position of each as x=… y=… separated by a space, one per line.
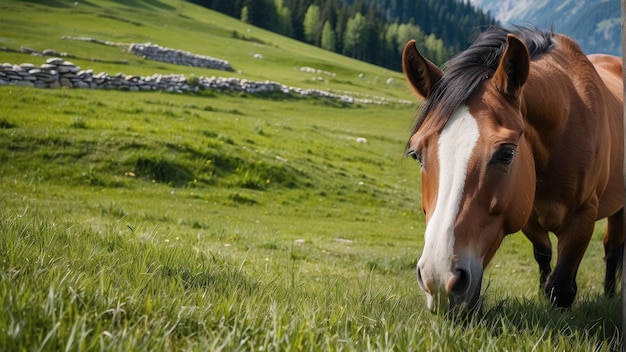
x=462 y=283
x=464 y=287
x=420 y=280
x=419 y=276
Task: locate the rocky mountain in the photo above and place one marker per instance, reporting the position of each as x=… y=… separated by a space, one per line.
x=595 y=24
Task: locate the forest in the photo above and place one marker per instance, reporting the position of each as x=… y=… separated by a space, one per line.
x=374 y=31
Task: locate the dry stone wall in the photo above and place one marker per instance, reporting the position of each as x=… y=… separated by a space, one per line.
x=158 y=53
x=178 y=57
x=58 y=73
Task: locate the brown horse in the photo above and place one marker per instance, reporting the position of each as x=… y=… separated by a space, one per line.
x=520 y=131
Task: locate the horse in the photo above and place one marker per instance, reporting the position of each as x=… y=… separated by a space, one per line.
x=521 y=131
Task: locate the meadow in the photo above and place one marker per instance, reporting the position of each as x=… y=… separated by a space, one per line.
x=226 y=221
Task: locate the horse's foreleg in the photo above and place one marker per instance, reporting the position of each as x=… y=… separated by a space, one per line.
x=542 y=248
x=573 y=237
x=613 y=250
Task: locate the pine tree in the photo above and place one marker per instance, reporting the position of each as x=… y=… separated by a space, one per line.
x=244 y=15
x=285 y=26
x=328 y=37
x=355 y=37
x=311 y=25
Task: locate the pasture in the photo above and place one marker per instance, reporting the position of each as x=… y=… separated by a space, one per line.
x=223 y=221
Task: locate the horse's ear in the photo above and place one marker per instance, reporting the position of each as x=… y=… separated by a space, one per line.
x=513 y=68
x=421 y=73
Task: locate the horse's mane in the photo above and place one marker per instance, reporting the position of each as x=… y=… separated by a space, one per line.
x=464 y=73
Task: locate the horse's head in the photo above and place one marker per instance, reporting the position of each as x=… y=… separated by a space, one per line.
x=477 y=169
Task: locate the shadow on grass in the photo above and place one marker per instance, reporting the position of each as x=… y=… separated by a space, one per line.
x=145 y=4
x=61 y=3
x=163 y=170
x=51 y=3
x=596 y=318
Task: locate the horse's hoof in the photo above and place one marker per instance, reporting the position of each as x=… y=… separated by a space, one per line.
x=562 y=298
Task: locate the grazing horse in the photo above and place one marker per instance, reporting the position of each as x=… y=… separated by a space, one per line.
x=520 y=131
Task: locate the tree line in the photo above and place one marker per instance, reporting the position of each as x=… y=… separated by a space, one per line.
x=370 y=30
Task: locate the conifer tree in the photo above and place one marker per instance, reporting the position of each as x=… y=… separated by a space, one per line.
x=311 y=25
x=328 y=37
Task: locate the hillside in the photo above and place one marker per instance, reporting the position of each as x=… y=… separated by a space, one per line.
x=596 y=25
x=255 y=54
x=235 y=146
x=373 y=31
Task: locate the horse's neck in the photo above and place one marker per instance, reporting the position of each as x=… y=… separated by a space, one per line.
x=549 y=96
x=544 y=117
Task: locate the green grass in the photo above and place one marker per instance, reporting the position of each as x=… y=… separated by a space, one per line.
x=154 y=221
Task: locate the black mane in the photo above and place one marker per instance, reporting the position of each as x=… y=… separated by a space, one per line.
x=464 y=73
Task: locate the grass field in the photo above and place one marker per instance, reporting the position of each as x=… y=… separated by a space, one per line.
x=154 y=221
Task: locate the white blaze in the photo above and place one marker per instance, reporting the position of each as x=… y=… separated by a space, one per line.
x=456 y=144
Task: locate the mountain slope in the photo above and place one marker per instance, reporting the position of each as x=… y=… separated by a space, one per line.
x=594 y=24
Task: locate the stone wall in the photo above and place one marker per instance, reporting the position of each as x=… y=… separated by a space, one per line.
x=178 y=57
x=57 y=73
x=159 y=53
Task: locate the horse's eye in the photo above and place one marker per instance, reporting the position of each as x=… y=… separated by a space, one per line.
x=504 y=155
x=415 y=156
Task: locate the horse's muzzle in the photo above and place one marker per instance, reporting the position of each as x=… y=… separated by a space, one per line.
x=458 y=290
